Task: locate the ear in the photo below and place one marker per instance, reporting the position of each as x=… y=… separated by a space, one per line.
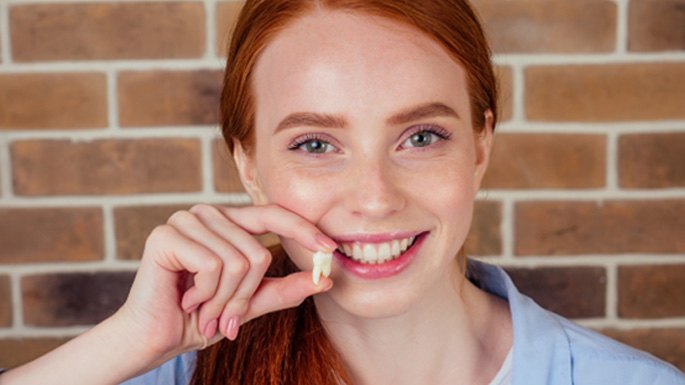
x=483 y=141
x=247 y=169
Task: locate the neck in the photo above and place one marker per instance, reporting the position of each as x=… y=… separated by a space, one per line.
x=458 y=335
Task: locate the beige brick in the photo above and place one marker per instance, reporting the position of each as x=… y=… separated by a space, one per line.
x=226 y=17
x=631 y=226
x=667 y=344
x=51 y=234
x=651 y=291
x=163 y=98
x=133 y=224
x=656 y=25
x=71 y=299
x=18 y=351
x=106 y=31
x=485 y=237
x=53 y=101
x=605 y=92
x=551 y=26
x=547 y=161
x=5 y=302
x=651 y=160
x=61 y=167
x=226 y=177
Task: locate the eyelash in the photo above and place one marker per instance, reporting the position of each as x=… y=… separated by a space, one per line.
x=298 y=142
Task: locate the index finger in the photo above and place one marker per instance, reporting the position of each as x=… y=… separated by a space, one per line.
x=259 y=220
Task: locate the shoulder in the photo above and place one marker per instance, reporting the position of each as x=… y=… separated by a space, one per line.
x=177 y=371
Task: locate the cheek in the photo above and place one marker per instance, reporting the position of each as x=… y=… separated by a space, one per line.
x=299 y=192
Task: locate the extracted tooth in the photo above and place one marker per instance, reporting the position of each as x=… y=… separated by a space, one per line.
x=322 y=265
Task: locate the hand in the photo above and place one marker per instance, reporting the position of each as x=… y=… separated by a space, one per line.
x=202 y=275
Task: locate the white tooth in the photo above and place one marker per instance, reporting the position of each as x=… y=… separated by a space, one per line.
x=347 y=249
x=384 y=252
x=411 y=240
x=326 y=270
x=403 y=244
x=395 y=248
x=357 y=253
x=316 y=273
x=370 y=254
x=320 y=260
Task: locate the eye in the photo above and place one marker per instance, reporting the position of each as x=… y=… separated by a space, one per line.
x=424 y=137
x=311 y=144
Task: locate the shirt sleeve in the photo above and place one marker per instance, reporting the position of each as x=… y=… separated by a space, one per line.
x=177 y=371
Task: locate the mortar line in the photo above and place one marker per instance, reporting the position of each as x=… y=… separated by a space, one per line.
x=5 y=169
x=612 y=182
x=612 y=293
x=112 y=101
x=622 y=27
x=109 y=236
x=5 y=40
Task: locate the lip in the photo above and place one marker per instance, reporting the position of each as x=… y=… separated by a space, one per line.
x=382 y=270
x=375 y=238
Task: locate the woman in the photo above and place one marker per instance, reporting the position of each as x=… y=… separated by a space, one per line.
x=363 y=127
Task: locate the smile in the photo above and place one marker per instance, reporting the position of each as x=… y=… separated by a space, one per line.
x=375 y=253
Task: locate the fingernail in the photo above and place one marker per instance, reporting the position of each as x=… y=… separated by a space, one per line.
x=192 y=308
x=210 y=329
x=326 y=242
x=232 y=328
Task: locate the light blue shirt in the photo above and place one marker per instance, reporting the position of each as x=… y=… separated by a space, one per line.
x=548 y=349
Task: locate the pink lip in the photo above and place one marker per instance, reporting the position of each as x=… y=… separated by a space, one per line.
x=374 y=238
x=382 y=270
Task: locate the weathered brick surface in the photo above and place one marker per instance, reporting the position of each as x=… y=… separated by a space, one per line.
x=73 y=298
x=111 y=30
x=530 y=26
x=163 y=98
x=574 y=292
x=5 y=302
x=667 y=344
x=51 y=101
x=18 y=351
x=51 y=234
x=226 y=16
x=226 y=177
x=651 y=160
x=59 y=167
x=485 y=237
x=656 y=25
x=651 y=291
x=133 y=225
x=605 y=92
x=555 y=161
x=558 y=228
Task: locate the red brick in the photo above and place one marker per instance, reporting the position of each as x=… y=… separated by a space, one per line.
x=505 y=77
x=105 y=31
x=605 y=92
x=5 y=302
x=51 y=234
x=226 y=177
x=53 y=101
x=651 y=291
x=61 y=167
x=163 y=98
x=73 y=298
x=667 y=344
x=651 y=160
x=226 y=17
x=567 y=228
x=552 y=161
x=485 y=237
x=551 y=26
x=574 y=292
x=18 y=351
x=656 y=25
x=132 y=226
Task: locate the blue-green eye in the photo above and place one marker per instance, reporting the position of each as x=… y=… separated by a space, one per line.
x=311 y=144
x=424 y=137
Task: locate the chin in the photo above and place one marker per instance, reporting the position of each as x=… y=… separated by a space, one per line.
x=362 y=301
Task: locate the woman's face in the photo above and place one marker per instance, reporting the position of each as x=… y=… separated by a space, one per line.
x=363 y=127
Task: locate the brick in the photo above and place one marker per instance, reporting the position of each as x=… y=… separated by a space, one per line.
x=547 y=161
x=17 y=351
x=163 y=98
x=651 y=160
x=505 y=77
x=226 y=17
x=51 y=234
x=53 y=101
x=62 y=167
x=485 y=237
x=651 y=291
x=656 y=25
x=71 y=299
x=568 y=228
x=667 y=344
x=605 y=92
x=573 y=292
x=226 y=177
x=106 y=31
x=133 y=224
x=553 y=26
x=5 y=302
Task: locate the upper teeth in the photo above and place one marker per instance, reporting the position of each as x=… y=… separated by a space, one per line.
x=376 y=252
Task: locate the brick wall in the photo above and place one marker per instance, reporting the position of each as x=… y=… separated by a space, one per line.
x=108 y=115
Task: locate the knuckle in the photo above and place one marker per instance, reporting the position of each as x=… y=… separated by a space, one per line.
x=211 y=263
x=202 y=209
x=180 y=217
x=237 y=267
x=160 y=232
x=262 y=259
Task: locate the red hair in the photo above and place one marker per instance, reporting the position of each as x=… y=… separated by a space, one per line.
x=291 y=347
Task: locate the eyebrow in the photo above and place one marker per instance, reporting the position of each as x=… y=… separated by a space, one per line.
x=312 y=119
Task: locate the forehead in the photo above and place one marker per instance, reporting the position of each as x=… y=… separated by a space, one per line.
x=353 y=64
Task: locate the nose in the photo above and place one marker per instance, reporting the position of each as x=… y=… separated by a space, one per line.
x=374 y=189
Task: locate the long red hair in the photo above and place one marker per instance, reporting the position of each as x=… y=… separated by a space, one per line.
x=291 y=347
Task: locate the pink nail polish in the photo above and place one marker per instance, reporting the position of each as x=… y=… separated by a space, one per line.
x=232 y=328
x=326 y=242
x=210 y=329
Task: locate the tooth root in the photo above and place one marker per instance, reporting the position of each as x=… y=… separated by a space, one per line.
x=316 y=273
x=326 y=269
x=320 y=261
